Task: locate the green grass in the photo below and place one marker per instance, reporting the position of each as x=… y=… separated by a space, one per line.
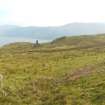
x=67 y=71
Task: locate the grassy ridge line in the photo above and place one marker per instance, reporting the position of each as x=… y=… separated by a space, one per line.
x=62 y=44
x=60 y=49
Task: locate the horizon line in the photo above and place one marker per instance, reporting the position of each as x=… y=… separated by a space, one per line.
x=52 y=25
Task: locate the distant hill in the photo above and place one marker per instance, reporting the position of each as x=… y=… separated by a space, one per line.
x=52 y=32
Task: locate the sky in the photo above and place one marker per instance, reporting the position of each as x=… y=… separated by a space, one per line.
x=51 y=12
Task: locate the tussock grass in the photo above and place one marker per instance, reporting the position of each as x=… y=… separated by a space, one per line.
x=68 y=71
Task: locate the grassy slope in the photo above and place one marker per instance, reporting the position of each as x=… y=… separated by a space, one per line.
x=68 y=71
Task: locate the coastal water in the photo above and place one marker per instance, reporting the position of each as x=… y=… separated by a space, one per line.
x=7 y=40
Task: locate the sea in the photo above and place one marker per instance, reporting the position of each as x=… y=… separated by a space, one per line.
x=7 y=40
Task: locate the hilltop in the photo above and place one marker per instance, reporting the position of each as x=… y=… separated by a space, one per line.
x=67 y=71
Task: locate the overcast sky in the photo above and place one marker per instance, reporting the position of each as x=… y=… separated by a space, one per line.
x=50 y=12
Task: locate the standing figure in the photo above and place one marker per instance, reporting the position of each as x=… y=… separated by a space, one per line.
x=36 y=44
